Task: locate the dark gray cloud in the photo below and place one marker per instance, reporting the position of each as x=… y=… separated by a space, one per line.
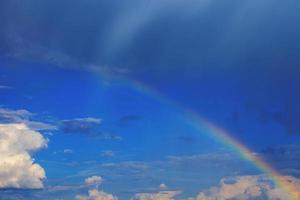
x=195 y=39
x=151 y=34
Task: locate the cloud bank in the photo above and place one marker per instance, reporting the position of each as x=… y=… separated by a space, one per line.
x=247 y=187
x=17 y=167
x=163 y=195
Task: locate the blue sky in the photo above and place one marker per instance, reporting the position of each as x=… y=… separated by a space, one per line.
x=72 y=73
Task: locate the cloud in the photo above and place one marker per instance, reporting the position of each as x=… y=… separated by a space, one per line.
x=107 y=153
x=247 y=187
x=5 y=87
x=88 y=126
x=93 y=180
x=17 y=167
x=128 y=119
x=68 y=151
x=95 y=194
x=163 y=186
x=23 y=116
x=163 y=195
x=9 y=116
x=106 y=136
x=80 y=125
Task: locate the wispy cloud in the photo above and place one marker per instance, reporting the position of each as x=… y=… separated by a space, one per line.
x=23 y=116
x=5 y=87
x=107 y=153
x=86 y=125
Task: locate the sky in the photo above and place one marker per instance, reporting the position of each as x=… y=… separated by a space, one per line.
x=107 y=100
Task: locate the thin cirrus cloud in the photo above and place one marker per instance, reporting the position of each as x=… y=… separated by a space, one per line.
x=17 y=167
x=5 y=87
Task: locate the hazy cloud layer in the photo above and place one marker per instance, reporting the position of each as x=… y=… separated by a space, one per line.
x=17 y=167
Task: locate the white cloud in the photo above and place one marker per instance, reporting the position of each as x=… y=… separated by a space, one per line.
x=107 y=153
x=68 y=151
x=95 y=194
x=247 y=187
x=17 y=167
x=93 y=180
x=163 y=186
x=14 y=115
x=163 y=195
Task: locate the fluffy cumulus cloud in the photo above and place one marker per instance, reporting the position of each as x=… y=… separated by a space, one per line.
x=17 y=167
x=247 y=187
x=163 y=186
x=93 y=180
x=95 y=194
x=162 y=195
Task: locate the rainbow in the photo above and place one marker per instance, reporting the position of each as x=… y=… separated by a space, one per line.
x=221 y=135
